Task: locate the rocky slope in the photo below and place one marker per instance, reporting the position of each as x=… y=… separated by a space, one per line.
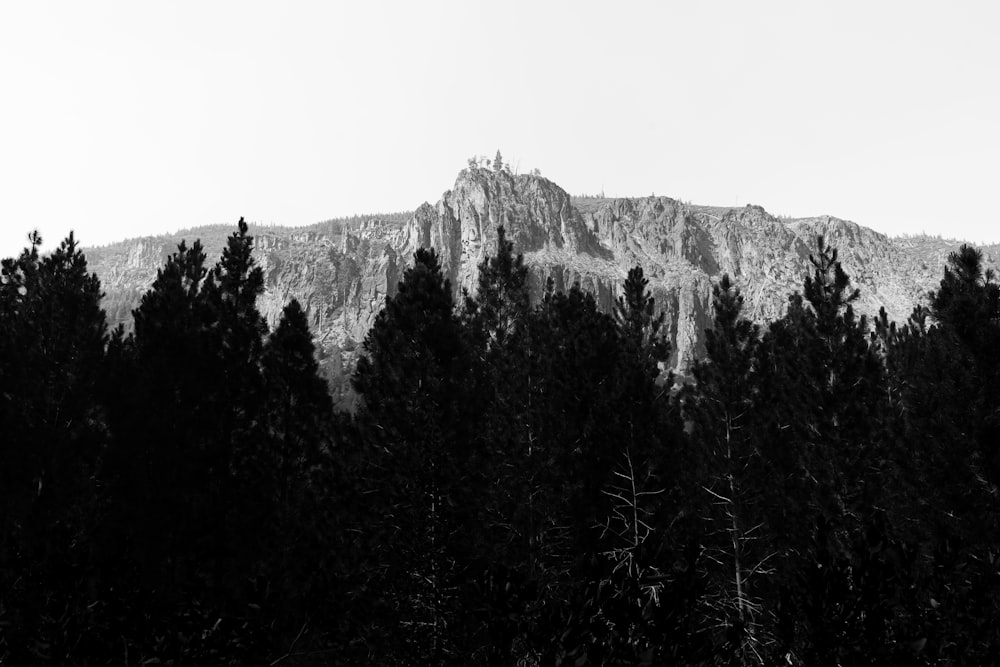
x=342 y=273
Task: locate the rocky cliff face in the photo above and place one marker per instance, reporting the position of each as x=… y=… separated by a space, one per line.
x=342 y=275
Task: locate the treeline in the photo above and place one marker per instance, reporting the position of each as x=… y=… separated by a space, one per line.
x=338 y=226
x=518 y=487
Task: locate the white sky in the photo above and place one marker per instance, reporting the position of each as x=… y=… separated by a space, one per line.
x=119 y=119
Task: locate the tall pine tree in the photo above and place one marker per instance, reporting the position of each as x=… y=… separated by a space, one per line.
x=420 y=464
x=52 y=336
x=722 y=408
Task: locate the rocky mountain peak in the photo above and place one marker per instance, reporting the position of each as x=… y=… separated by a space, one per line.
x=537 y=214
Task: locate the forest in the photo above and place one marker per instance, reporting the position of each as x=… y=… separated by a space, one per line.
x=519 y=485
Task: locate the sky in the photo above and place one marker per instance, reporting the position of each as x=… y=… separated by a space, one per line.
x=122 y=119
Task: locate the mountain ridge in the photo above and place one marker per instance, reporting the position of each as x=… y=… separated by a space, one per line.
x=343 y=270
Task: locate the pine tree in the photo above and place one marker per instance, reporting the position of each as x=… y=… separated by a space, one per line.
x=299 y=483
x=601 y=505
x=501 y=307
x=236 y=285
x=52 y=336
x=298 y=408
x=722 y=407
x=52 y=333
x=968 y=300
x=828 y=289
x=577 y=353
x=944 y=363
x=234 y=331
x=412 y=381
x=642 y=393
x=828 y=423
x=414 y=342
x=967 y=305
x=497 y=324
x=183 y=409
x=639 y=325
x=157 y=415
x=817 y=359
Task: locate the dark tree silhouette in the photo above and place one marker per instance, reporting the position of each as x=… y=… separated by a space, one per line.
x=52 y=334
x=412 y=381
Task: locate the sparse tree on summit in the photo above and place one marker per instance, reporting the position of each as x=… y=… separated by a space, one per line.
x=497 y=162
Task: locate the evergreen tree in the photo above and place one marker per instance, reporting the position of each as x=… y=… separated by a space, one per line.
x=601 y=497
x=412 y=380
x=500 y=310
x=722 y=408
x=643 y=406
x=639 y=325
x=968 y=300
x=183 y=526
x=817 y=360
x=158 y=419
x=497 y=323
x=52 y=336
x=234 y=331
x=833 y=479
x=302 y=510
x=298 y=407
x=967 y=305
x=233 y=294
x=577 y=355
x=944 y=364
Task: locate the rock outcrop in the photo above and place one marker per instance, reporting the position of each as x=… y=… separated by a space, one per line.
x=342 y=274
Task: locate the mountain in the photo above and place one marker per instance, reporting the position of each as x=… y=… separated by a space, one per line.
x=342 y=270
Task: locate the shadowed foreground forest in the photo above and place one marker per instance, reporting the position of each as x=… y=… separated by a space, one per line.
x=519 y=486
